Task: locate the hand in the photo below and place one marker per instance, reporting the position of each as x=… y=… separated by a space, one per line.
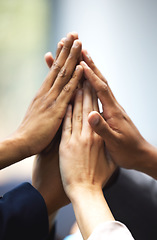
x=83 y=163
x=48 y=108
x=47 y=180
x=124 y=142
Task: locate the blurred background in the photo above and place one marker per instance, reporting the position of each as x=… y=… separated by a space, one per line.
x=121 y=37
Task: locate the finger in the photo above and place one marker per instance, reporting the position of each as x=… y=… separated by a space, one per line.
x=87 y=106
x=100 y=126
x=49 y=59
x=102 y=91
x=64 y=53
x=87 y=58
x=57 y=64
x=68 y=69
x=67 y=125
x=59 y=48
x=95 y=100
x=63 y=49
x=67 y=92
x=77 y=113
x=48 y=56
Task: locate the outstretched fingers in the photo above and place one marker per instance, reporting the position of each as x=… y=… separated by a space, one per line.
x=67 y=92
x=101 y=89
x=67 y=125
x=87 y=58
x=67 y=70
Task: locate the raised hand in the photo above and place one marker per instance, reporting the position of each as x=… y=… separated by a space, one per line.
x=45 y=113
x=82 y=153
x=83 y=163
x=124 y=142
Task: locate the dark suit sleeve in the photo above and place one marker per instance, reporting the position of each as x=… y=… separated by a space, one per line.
x=23 y=214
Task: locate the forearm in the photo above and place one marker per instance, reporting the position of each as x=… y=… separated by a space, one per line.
x=90 y=209
x=148 y=160
x=12 y=150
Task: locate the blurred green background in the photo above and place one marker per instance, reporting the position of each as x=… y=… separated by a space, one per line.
x=24 y=27
x=24 y=39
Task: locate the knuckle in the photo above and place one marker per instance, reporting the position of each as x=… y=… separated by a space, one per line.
x=105 y=87
x=78 y=117
x=87 y=110
x=102 y=89
x=105 y=81
x=67 y=128
x=71 y=56
x=56 y=66
x=63 y=73
x=67 y=43
x=67 y=88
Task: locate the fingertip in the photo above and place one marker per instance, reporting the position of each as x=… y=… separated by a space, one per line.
x=84 y=64
x=48 y=55
x=49 y=59
x=60 y=44
x=63 y=40
x=73 y=35
x=77 y=43
x=94 y=118
x=79 y=68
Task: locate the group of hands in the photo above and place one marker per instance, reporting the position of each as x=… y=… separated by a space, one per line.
x=77 y=149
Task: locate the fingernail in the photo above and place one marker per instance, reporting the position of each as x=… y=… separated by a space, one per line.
x=95 y=120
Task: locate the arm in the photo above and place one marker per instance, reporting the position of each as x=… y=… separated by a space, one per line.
x=125 y=144
x=83 y=165
x=47 y=180
x=23 y=214
x=47 y=109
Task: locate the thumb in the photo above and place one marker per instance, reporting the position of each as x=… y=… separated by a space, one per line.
x=99 y=125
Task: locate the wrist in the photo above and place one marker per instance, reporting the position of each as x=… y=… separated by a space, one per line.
x=90 y=204
x=73 y=191
x=12 y=150
x=148 y=160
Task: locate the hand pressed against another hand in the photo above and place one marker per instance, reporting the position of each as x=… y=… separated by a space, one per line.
x=123 y=141
x=83 y=164
x=47 y=180
x=82 y=154
x=47 y=110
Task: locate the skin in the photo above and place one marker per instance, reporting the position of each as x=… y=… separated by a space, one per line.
x=46 y=179
x=124 y=142
x=83 y=164
x=45 y=114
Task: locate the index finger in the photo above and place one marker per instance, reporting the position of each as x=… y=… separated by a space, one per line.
x=101 y=89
